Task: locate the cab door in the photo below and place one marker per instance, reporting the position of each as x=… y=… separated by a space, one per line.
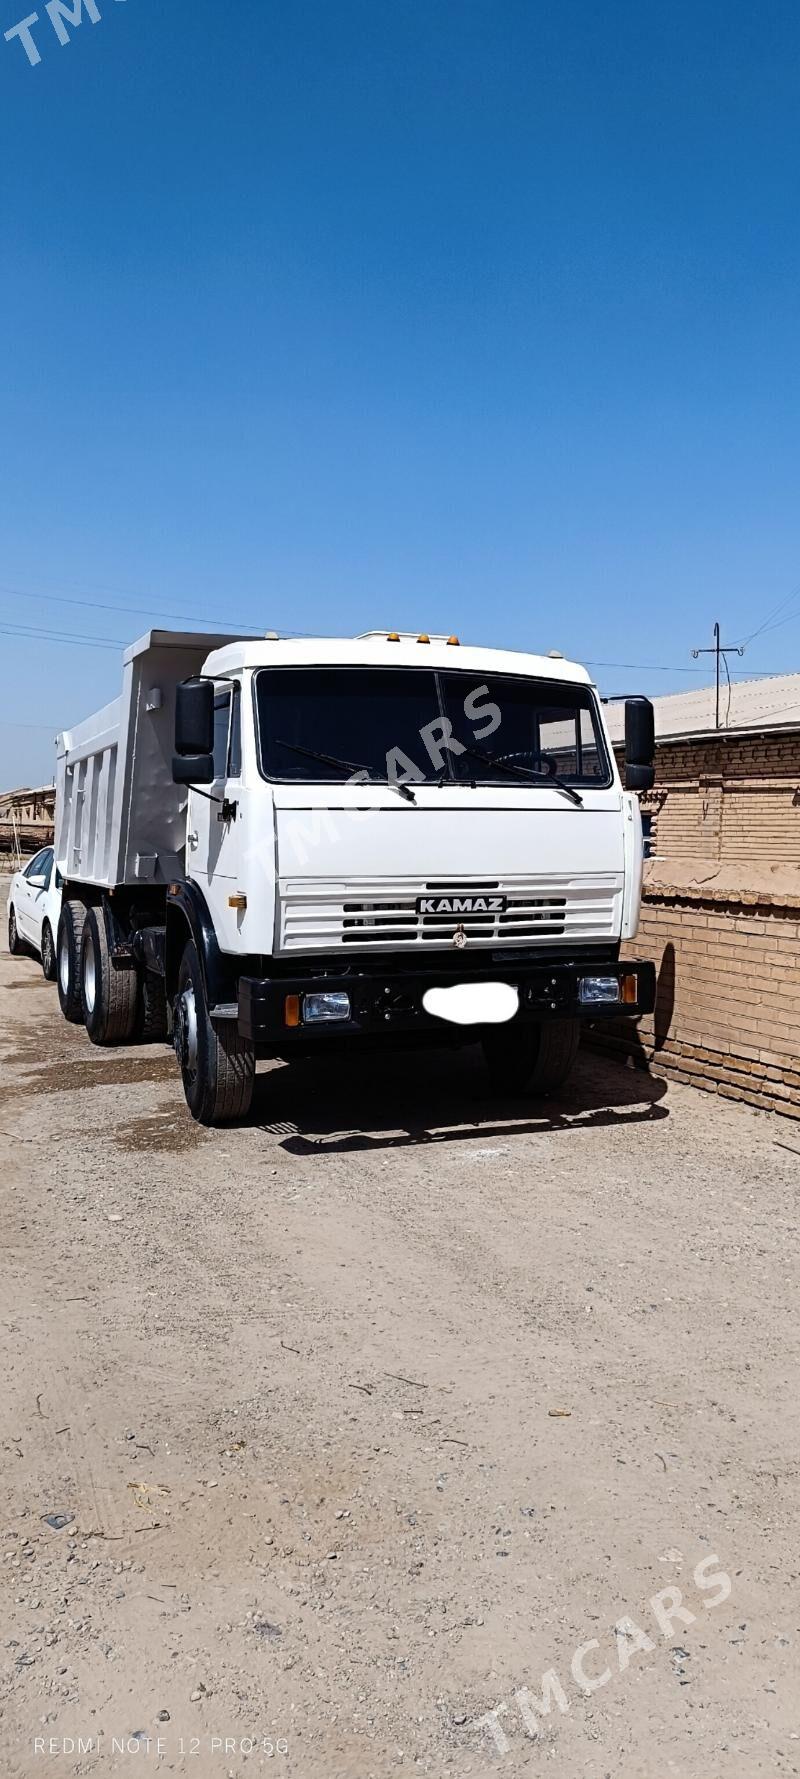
x=215 y=817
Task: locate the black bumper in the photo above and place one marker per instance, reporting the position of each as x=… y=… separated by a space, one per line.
x=391 y=1002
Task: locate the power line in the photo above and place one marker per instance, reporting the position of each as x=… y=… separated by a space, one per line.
x=28 y=632
x=643 y=666
x=657 y=667
x=141 y=611
x=730 y=687
x=768 y=624
x=766 y=629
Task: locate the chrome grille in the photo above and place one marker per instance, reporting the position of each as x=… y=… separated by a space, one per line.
x=378 y=916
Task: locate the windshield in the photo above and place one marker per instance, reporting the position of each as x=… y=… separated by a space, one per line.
x=417 y=726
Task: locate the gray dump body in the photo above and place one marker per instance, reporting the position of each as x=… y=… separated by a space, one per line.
x=119 y=818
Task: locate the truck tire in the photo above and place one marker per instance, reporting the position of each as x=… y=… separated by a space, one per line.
x=531 y=1058
x=151 y=1017
x=14 y=941
x=68 y=953
x=217 y=1065
x=48 y=954
x=108 y=996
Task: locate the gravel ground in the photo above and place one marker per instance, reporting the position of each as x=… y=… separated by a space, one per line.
x=362 y=1418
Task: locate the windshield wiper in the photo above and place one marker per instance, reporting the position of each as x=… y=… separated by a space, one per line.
x=546 y=778
x=312 y=753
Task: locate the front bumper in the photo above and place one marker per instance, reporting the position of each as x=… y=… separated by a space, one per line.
x=391 y=1001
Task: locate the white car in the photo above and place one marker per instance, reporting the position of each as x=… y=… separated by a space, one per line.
x=34 y=905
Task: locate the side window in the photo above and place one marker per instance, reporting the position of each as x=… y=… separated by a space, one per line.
x=38 y=867
x=235 y=744
x=222 y=712
x=591 y=763
x=568 y=738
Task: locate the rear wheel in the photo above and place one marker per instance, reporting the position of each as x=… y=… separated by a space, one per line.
x=14 y=940
x=68 y=953
x=217 y=1065
x=48 y=953
x=109 y=996
x=531 y=1058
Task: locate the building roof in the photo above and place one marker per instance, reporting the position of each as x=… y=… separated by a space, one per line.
x=753 y=704
x=26 y=794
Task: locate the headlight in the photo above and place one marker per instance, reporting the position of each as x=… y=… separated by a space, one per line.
x=596 y=990
x=317 y=1009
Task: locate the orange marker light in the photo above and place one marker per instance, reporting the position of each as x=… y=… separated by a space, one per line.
x=238 y=901
x=291 y=1010
x=629 y=990
x=423 y=638
x=453 y=642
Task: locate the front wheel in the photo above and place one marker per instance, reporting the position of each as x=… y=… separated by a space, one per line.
x=48 y=953
x=217 y=1065
x=14 y=940
x=532 y=1058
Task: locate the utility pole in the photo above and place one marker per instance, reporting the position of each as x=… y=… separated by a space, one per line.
x=720 y=654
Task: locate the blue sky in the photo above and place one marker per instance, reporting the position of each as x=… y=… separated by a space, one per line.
x=327 y=314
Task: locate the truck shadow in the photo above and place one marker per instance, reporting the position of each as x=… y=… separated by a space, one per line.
x=408 y=1099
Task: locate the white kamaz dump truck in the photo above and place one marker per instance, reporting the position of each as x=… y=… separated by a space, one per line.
x=272 y=847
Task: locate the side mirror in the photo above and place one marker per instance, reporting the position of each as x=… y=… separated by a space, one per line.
x=194 y=719
x=640 y=745
x=639 y=778
x=38 y=882
x=192 y=769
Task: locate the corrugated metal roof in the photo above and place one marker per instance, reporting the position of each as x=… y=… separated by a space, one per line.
x=752 y=704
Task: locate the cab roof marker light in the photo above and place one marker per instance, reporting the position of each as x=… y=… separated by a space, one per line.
x=406 y=636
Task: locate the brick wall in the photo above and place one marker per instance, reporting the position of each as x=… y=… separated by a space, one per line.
x=721 y=920
x=728 y=1008
x=728 y=799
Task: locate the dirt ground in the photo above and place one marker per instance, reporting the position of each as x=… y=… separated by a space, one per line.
x=361 y=1419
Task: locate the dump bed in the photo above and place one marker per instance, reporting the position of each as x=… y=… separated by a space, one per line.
x=119 y=818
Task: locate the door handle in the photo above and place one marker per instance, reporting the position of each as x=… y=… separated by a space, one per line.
x=192 y=839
